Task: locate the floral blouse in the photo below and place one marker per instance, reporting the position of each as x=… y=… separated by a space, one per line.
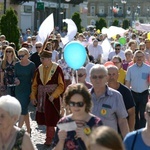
x=71 y=142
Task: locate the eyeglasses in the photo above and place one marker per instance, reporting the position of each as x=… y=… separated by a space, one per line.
x=38 y=46
x=117 y=49
x=77 y=104
x=21 y=56
x=8 y=51
x=80 y=75
x=98 y=77
x=33 y=39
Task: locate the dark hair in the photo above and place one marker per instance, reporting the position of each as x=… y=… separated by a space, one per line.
x=81 y=89
x=117 y=44
x=56 y=44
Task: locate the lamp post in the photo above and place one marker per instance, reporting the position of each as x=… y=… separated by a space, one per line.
x=4 y=6
x=148 y=10
x=60 y=13
x=124 y=11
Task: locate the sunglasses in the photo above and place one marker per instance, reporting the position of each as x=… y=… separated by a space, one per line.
x=80 y=75
x=78 y=104
x=33 y=39
x=117 y=49
x=8 y=51
x=21 y=56
x=38 y=46
x=98 y=77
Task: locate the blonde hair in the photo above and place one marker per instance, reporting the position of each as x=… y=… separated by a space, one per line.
x=14 y=57
x=24 y=50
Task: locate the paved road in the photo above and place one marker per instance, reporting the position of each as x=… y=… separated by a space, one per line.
x=38 y=132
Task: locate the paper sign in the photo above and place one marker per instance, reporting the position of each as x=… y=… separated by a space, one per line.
x=69 y=126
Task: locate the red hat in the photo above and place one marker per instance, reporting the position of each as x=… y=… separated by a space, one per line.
x=109 y=63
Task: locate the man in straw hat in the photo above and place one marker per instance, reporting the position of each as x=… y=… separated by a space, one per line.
x=47 y=86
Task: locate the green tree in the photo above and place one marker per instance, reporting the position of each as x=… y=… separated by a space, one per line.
x=115 y=23
x=126 y=24
x=77 y=20
x=9 y=26
x=101 y=23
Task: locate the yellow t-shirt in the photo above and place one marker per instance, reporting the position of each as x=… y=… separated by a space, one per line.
x=122 y=76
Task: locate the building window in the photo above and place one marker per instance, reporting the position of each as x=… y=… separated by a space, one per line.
x=101 y=10
x=92 y=11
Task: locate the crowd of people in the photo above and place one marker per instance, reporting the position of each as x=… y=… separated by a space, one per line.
x=104 y=104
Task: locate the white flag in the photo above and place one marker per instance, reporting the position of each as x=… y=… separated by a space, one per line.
x=112 y=31
x=72 y=30
x=107 y=48
x=142 y=27
x=46 y=28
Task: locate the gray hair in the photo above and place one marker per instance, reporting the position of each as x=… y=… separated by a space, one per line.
x=82 y=68
x=11 y=105
x=98 y=67
x=112 y=67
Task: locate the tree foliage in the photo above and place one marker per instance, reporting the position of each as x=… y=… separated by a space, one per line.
x=101 y=23
x=115 y=23
x=126 y=24
x=77 y=20
x=9 y=26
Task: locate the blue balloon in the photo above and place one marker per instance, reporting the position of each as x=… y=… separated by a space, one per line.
x=75 y=54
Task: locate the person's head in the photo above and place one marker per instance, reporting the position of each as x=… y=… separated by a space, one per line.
x=147 y=42
x=98 y=75
x=13 y=45
x=142 y=46
x=81 y=37
x=139 y=57
x=95 y=42
x=55 y=44
x=132 y=45
x=45 y=57
x=78 y=98
x=23 y=54
x=58 y=37
x=38 y=46
x=117 y=48
x=9 y=52
x=25 y=45
x=147 y=114
x=117 y=61
x=29 y=39
x=81 y=74
x=33 y=39
x=2 y=38
x=113 y=74
x=10 y=110
x=128 y=54
x=105 y=138
x=48 y=46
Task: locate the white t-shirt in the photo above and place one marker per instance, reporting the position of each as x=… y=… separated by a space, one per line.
x=95 y=51
x=54 y=56
x=113 y=53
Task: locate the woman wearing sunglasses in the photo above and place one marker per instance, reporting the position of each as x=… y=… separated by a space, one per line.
x=7 y=70
x=78 y=99
x=24 y=71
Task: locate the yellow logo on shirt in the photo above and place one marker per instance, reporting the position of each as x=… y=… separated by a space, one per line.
x=103 y=112
x=87 y=130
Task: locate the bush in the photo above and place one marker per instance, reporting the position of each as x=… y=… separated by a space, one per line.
x=9 y=27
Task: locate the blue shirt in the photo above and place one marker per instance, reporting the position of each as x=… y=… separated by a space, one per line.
x=138 y=77
x=138 y=144
x=109 y=107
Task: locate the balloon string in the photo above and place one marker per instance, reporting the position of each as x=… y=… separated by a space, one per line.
x=76 y=76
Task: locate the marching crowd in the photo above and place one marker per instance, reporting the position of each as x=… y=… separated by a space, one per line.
x=102 y=105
